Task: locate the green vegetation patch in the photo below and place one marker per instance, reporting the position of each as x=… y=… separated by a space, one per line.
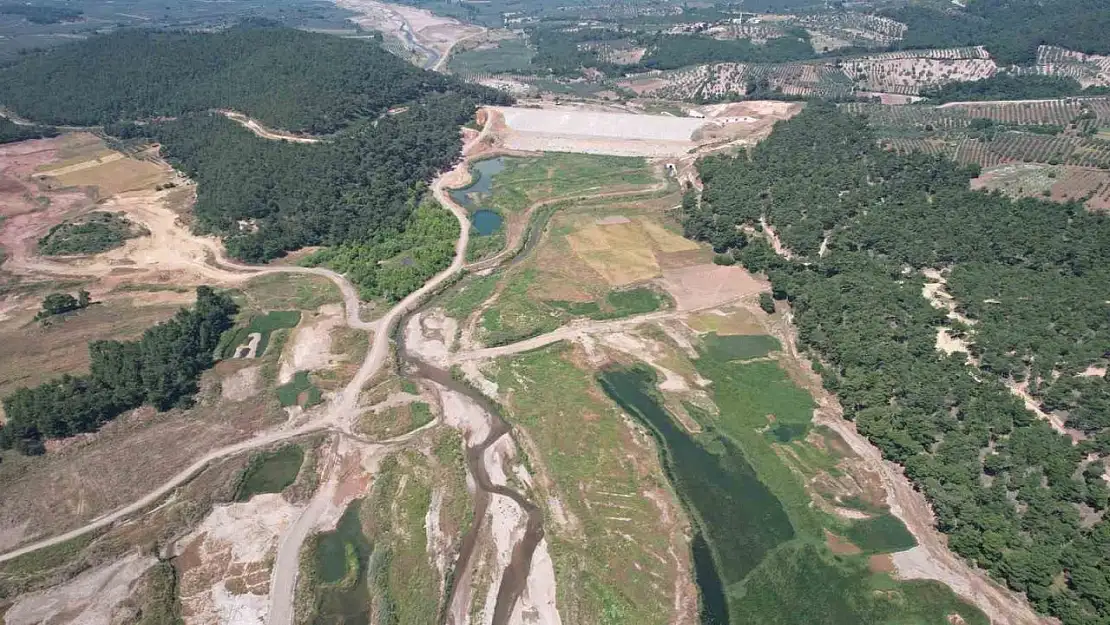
x=270 y=472
x=466 y=298
x=516 y=316
x=300 y=391
x=509 y=56
x=740 y=347
x=264 y=324
x=395 y=265
x=396 y=420
x=740 y=517
x=291 y=291
x=339 y=567
x=404 y=584
x=584 y=446
x=96 y=232
x=617 y=304
x=799 y=583
x=527 y=180
x=880 y=534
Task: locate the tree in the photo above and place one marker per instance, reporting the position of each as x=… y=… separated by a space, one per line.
x=57 y=304
x=766 y=302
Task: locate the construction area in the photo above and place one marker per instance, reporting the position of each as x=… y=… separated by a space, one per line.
x=591 y=129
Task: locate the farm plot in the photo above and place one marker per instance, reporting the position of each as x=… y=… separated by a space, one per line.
x=1010 y=147
x=721 y=80
x=910 y=73
x=1089 y=69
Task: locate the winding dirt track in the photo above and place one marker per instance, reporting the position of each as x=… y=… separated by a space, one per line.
x=341 y=407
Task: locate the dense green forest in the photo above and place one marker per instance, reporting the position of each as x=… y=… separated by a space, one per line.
x=1014 y=496
x=558 y=51
x=40 y=14
x=674 y=51
x=96 y=232
x=286 y=78
x=1010 y=87
x=1011 y=30
x=393 y=264
x=357 y=191
x=160 y=369
x=11 y=131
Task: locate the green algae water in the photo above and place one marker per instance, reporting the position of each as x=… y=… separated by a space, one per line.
x=486 y=222
x=342 y=560
x=483 y=171
x=739 y=520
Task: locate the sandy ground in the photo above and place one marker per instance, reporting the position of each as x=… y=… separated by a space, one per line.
x=241 y=385
x=88 y=599
x=710 y=285
x=505 y=523
x=570 y=128
x=225 y=562
x=417 y=30
x=430 y=336
x=311 y=343
x=537 y=605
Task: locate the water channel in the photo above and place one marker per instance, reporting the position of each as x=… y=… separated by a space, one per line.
x=515 y=577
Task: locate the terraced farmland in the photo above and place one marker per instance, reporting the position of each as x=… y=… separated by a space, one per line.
x=1010 y=147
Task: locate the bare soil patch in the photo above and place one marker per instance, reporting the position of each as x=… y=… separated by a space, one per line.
x=225 y=565
x=91 y=597
x=311 y=343
x=726 y=321
x=705 y=286
x=840 y=545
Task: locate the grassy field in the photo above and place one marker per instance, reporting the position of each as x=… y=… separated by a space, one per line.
x=531 y=179
x=405 y=587
x=510 y=55
x=279 y=291
x=270 y=472
x=300 y=391
x=608 y=541
x=465 y=299
x=395 y=421
x=263 y=324
x=880 y=534
x=740 y=347
x=519 y=312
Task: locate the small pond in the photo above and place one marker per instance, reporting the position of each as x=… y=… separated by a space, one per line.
x=485 y=221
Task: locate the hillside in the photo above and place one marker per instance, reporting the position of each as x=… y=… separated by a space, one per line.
x=266 y=197
x=286 y=78
x=941 y=394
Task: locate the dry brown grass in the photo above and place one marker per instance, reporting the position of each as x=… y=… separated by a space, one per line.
x=91 y=474
x=31 y=353
x=726 y=322
x=621 y=252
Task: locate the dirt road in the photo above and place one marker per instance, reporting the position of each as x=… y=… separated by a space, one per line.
x=344 y=410
x=258 y=129
x=343 y=407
